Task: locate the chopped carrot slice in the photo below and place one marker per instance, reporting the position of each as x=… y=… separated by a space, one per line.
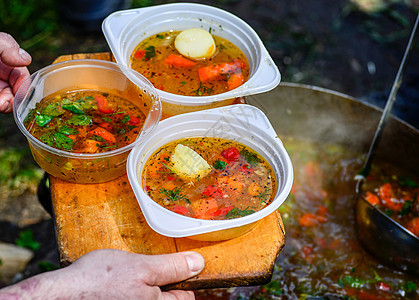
x=388 y=196
x=322 y=210
x=413 y=226
x=215 y=72
x=308 y=220
x=230 y=182
x=106 y=135
x=178 y=61
x=372 y=198
x=157 y=167
x=204 y=208
x=90 y=146
x=254 y=189
x=102 y=104
x=235 y=80
x=209 y=73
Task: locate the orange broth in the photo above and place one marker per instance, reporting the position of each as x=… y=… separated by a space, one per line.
x=240 y=183
x=86 y=121
x=158 y=60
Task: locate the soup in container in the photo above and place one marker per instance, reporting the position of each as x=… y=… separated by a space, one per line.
x=76 y=91
x=125 y=30
x=239 y=123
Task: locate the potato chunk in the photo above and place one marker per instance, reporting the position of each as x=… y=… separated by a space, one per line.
x=188 y=164
x=195 y=43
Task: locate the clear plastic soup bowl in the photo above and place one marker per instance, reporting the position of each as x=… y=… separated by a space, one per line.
x=124 y=30
x=243 y=123
x=83 y=74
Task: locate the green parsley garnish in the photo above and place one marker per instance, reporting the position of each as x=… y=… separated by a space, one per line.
x=174 y=195
x=203 y=90
x=150 y=52
x=237 y=213
x=42 y=120
x=219 y=164
x=250 y=157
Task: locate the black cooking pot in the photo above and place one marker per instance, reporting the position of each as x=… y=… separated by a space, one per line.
x=324 y=116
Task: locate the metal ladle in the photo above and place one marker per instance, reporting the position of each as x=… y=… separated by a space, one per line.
x=378 y=233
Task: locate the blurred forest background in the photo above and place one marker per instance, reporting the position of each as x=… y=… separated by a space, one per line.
x=350 y=46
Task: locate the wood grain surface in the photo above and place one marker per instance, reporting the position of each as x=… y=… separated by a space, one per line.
x=107 y=215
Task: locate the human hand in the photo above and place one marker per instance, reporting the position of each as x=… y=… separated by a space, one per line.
x=113 y=274
x=13 y=71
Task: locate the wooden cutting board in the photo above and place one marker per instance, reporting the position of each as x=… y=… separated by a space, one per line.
x=107 y=215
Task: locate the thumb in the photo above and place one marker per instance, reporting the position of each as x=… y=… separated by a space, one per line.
x=175 y=267
x=10 y=52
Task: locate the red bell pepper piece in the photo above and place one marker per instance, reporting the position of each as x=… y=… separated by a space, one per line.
x=222 y=211
x=139 y=54
x=179 y=209
x=133 y=120
x=212 y=191
x=231 y=154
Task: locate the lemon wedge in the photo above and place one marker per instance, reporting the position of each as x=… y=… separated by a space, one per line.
x=195 y=43
x=188 y=164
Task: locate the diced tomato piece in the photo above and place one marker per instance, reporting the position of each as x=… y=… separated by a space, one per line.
x=246 y=168
x=178 y=61
x=147 y=188
x=222 y=211
x=384 y=287
x=179 y=209
x=171 y=178
x=139 y=54
x=231 y=154
x=102 y=104
x=106 y=135
x=372 y=198
x=413 y=226
x=212 y=191
x=133 y=120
